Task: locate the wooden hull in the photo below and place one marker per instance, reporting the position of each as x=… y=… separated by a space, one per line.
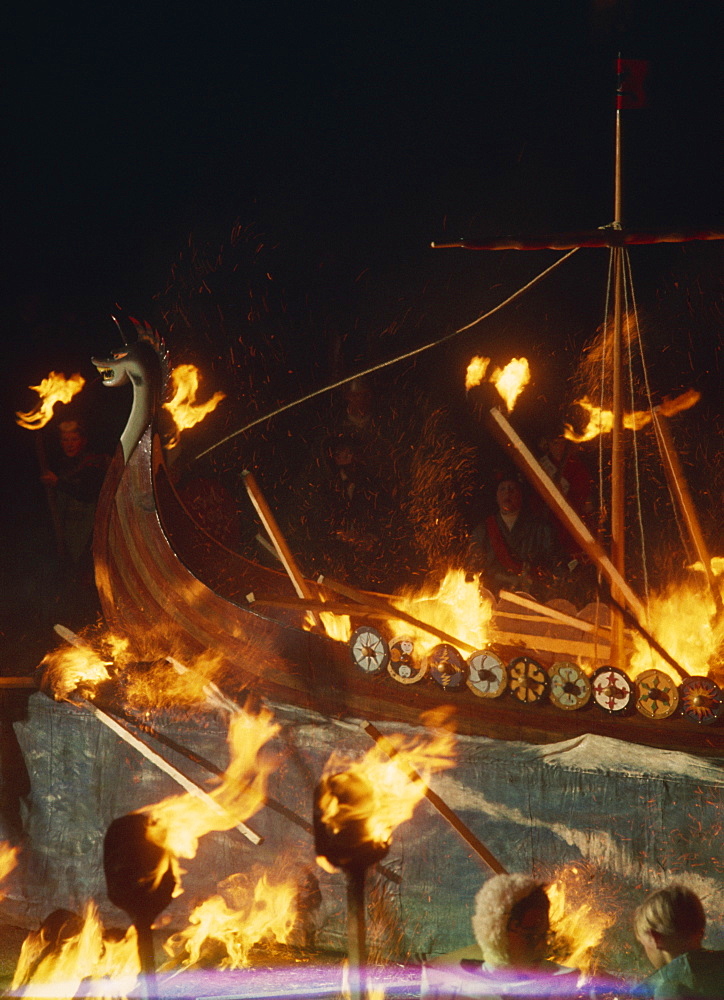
x=173 y=590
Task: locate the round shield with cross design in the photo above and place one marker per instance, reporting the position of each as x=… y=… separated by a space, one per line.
x=657 y=696
x=528 y=681
x=612 y=690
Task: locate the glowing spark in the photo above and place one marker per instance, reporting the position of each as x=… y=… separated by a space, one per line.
x=56 y=388
x=184 y=409
x=476 y=371
x=511 y=380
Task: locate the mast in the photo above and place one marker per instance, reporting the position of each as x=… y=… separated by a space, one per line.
x=618 y=472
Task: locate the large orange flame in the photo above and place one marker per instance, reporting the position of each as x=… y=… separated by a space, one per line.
x=182 y=406
x=393 y=794
x=260 y=911
x=71 y=668
x=56 y=388
x=454 y=605
x=600 y=421
x=683 y=619
x=56 y=964
x=511 y=380
x=178 y=822
x=578 y=929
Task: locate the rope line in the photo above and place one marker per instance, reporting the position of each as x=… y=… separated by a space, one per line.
x=391 y=361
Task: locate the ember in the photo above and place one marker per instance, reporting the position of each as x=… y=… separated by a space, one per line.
x=184 y=409
x=56 y=388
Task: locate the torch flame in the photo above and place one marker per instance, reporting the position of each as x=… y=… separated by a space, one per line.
x=56 y=388
x=600 y=421
x=55 y=965
x=578 y=930
x=511 y=380
x=476 y=370
x=395 y=785
x=184 y=409
x=178 y=822
x=72 y=667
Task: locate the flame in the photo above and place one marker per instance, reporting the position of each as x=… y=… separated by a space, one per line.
x=578 y=929
x=261 y=912
x=683 y=620
x=8 y=861
x=336 y=626
x=601 y=421
x=178 y=822
x=476 y=370
x=184 y=409
x=394 y=790
x=717 y=566
x=511 y=380
x=56 y=388
x=455 y=606
x=73 y=667
x=61 y=961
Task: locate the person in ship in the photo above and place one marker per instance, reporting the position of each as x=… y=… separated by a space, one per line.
x=670 y=926
x=514 y=548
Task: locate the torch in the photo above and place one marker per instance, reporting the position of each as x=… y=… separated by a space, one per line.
x=345 y=838
x=140 y=880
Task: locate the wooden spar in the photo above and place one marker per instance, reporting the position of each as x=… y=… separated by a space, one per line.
x=276 y=537
x=544 y=485
x=17 y=682
x=553 y=614
x=439 y=804
x=163 y=765
x=680 y=489
x=363 y=598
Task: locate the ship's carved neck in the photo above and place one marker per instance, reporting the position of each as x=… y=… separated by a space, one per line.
x=141 y=413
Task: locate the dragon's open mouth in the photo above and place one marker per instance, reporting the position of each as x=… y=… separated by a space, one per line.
x=106 y=374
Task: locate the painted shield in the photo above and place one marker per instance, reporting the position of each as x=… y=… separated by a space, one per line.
x=528 y=681
x=447 y=667
x=612 y=690
x=487 y=676
x=404 y=665
x=657 y=696
x=570 y=688
x=701 y=699
x=369 y=650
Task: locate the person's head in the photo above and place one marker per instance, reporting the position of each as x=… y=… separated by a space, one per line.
x=511 y=921
x=670 y=922
x=72 y=438
x=509 y=496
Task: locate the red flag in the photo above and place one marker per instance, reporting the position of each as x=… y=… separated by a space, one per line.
x=630 y=76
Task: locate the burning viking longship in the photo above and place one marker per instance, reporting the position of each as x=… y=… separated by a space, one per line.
x=542 y=673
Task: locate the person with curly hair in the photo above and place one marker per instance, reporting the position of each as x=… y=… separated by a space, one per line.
x=511 y=927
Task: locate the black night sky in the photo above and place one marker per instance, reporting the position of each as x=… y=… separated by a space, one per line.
x=342 y=139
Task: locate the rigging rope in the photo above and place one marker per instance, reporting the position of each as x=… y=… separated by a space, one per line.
x=391 y=361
